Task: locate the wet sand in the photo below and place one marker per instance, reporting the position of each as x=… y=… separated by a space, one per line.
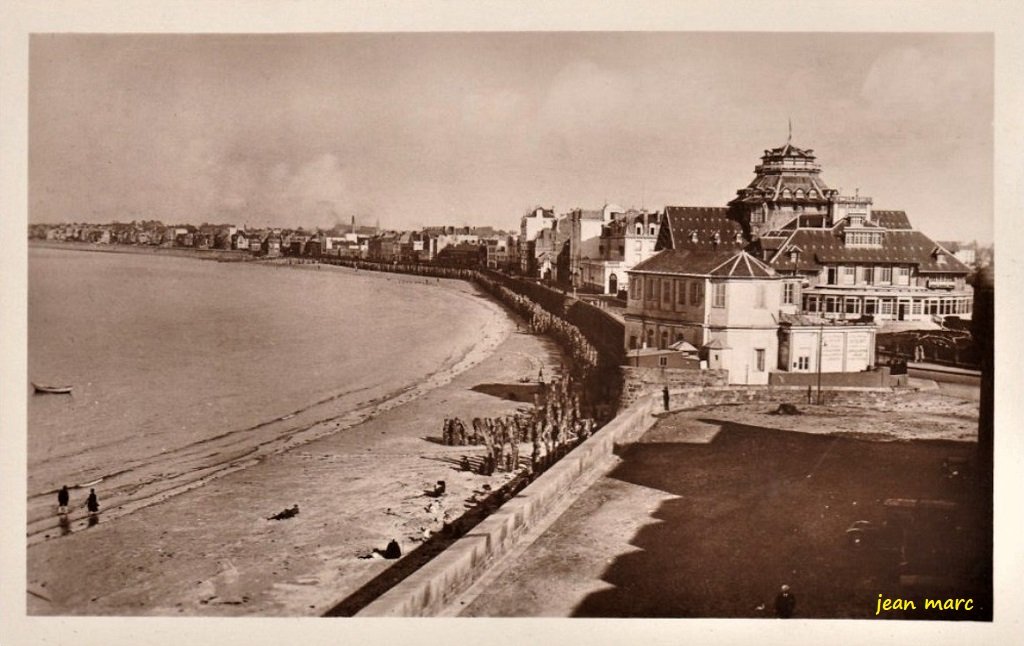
x=212 y=551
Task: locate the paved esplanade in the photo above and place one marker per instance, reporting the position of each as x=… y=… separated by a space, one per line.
x=707 y=518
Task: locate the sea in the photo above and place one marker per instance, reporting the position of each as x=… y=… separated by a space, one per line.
x=183 y=368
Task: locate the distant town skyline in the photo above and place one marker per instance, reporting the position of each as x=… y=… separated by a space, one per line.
x=425 y=129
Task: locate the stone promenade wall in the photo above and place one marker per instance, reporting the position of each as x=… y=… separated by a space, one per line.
x=638 y=381
x=437 y=584
x=431 y=588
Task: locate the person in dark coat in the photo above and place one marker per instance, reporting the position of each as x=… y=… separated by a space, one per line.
x=785 y=603
x=392 y=551
x=92 y=503
x=664 y=396
x=63 y=498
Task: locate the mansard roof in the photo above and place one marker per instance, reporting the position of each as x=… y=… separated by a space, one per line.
x=891 y=219
x=819 y=247
x=705 y=222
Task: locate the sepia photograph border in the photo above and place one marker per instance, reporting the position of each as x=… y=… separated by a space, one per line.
x=20 y=19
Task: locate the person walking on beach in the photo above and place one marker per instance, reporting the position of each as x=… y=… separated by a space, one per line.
x=92 y=503
x=664 y=396
x=785 y=603
x=63 y=497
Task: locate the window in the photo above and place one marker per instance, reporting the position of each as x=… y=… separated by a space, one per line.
x=759 y=296
x=803 y=363
x=635 y=287
x=649 y=288
x=852 y=305
x=666 y=290
x=886 y=275
x=650 y=338
x=915 y=307
x=632 y=342
x=696 y=292
x=653 y=229
x=812 y=303
x=664 y=339
x=759 y=359
x=639 y=229
x=681 y=292
x=830 y=303
x=870 y=305
x=886 y=306
x=622 y=250
x=847 y=274
x=662 y=361
x=903 y=275
x=718 y=296
x=789 y=293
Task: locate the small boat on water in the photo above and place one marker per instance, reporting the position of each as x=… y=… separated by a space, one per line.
x=52 y=390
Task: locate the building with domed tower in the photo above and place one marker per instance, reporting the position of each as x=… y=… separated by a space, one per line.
x=846 y=259
x=790 y=276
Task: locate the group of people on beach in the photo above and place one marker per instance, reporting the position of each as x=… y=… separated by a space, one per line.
x=554 y=425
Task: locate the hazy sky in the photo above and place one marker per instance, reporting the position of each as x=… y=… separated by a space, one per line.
x=419 y=129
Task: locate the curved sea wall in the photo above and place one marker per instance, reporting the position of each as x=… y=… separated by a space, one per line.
x=594 y=355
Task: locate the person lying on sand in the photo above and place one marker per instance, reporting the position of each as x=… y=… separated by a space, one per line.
x=287 y=513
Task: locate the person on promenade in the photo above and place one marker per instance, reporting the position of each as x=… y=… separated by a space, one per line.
x=63 y=498
x=92 y=503
x=785 y=603
x=664 y=396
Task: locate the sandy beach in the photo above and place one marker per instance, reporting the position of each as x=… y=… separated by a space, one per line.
x=210 y=548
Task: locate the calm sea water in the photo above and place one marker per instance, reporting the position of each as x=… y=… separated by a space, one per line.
x=180 y=365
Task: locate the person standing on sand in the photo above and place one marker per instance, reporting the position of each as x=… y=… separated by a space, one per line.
x=63 y=498
x=92 y=503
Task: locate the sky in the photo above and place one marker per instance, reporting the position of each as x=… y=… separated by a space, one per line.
x=419 y=129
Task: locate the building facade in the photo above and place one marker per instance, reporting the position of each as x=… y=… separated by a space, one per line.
x=850 y=260
x=626 y=240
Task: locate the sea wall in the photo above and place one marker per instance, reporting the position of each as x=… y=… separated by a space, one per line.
x=641 y=380
x=686 y=398
x=433 y=587
x=878 y=378
x=430 y=590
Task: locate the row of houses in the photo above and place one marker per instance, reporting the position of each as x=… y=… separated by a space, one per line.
x=456 y=246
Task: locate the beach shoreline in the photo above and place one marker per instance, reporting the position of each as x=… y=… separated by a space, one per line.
x=67 y=577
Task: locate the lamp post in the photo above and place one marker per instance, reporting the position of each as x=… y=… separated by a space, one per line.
x=821 y=330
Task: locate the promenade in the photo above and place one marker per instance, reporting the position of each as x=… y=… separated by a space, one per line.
x=705 y=516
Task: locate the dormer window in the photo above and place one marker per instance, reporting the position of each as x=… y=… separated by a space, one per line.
x=639 y=229
x=653 y=229
x=717 y=238
x=799 y=193
x=693 y=236
x=739 y=236
x=813 y=194
x=794 y=255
